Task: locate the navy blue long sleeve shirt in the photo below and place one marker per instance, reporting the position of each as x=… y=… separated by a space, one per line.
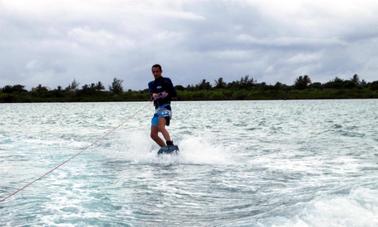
x=159 y=85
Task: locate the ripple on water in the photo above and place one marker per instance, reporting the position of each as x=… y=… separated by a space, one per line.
x=270 y=163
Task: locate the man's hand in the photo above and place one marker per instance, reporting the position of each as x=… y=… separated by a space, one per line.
x=159 y=95
x=163 y=94
x=155 y=96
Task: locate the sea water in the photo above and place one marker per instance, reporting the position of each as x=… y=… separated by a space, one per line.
x=241 y=163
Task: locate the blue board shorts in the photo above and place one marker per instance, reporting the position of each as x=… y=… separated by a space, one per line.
x=160 y=112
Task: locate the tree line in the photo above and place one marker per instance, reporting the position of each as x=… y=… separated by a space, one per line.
x=246 y=88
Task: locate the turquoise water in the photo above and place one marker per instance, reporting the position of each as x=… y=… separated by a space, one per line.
x=252 y=163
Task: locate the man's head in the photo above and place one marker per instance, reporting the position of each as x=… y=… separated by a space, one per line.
x=156 y=70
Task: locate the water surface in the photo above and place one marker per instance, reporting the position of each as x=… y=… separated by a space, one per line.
x=247 y=163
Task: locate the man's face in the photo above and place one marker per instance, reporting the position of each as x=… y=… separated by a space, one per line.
x=156 y=71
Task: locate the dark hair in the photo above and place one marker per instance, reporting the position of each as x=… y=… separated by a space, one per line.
x=157 y=66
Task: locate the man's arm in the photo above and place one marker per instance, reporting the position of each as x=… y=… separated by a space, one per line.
x=150 y=89
x=171 y=89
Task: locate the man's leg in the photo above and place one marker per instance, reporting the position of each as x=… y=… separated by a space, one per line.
x=163 y=130
x=155 y=136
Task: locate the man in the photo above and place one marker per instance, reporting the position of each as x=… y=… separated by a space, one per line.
x=162 y=92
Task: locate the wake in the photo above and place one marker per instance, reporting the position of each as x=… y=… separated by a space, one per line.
x=137 y=147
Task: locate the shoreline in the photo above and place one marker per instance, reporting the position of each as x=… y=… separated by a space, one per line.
x=202 y=100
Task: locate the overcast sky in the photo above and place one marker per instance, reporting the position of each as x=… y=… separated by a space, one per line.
x=54 y=41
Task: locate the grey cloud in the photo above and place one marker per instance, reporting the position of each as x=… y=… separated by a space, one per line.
x=205 y=39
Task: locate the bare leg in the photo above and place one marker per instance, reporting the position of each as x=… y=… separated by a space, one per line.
x=163 y=130
x=155 y=136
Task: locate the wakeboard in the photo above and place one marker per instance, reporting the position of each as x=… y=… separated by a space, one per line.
x=174 y=149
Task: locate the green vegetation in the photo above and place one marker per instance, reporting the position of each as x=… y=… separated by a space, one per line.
x=244 y=89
